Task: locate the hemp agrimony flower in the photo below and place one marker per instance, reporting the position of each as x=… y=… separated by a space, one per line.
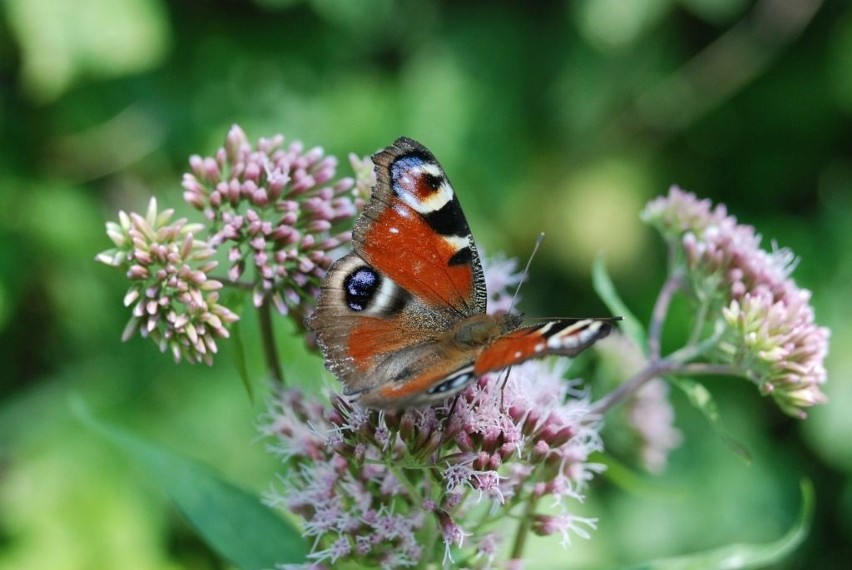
x=648 y=424
x=464 y=482
x=443 y=483
x=276 y=214
x=174 y=301
x=762 y=325
x=276 y=210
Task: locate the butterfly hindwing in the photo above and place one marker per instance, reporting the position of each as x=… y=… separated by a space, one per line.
x=366 y=324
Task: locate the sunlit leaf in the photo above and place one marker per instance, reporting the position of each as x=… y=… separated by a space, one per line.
x=231 y=520
x=605 y=289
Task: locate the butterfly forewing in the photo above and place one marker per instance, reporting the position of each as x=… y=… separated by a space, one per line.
x=415 y=231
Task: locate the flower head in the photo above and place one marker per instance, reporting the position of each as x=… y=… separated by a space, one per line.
x=501 y=280
x=174 y=301
x=768 y=329
x=277 y=210
x=276 y=214
x=649 y=413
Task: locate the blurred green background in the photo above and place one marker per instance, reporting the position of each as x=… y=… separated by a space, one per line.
x=556 y=116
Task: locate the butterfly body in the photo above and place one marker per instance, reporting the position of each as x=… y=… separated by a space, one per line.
x=401 y=319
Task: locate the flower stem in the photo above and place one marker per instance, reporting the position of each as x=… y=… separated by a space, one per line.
x=267 y=338
x=701 y=368
x=524 y=529
x=661 y=309
x=652 y=370
x=694 y=350
x=700 y=321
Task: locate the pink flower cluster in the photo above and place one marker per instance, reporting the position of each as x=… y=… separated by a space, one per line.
x=771 y=336
x=649 y=414
x=277 y=210
x=438 y=484
x=371 y=486
x=276 y=214
x=174 y=301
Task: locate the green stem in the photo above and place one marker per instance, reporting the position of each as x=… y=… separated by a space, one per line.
x=702 y=368
x=675 y=363
x=624 y=391
x=698 y=328
x=695 y=350
x=267 y=339
x=524 y=529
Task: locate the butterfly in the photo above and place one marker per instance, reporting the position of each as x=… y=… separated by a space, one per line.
x=401 y=319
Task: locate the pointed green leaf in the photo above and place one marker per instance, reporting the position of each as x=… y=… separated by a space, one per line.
x=701 y=398
x=742 y=556
x=231 y=520
x=605 y=289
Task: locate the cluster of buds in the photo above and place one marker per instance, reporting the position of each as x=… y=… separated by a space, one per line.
x=766 y=323
x=276 y=210
x=277 y=214
x=173 y=299
x=646 y=430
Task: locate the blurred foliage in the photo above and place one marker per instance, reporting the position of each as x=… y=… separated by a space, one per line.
x=562 y=116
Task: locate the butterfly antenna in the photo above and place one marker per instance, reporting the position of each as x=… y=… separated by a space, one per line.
x=526 y=272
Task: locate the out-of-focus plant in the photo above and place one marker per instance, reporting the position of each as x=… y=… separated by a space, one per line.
x=467 y=481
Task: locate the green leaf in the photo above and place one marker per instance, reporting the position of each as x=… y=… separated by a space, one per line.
x=701 y=398
x=231 y=520
x=740 y=556
x=605 y=289
x=632 y=481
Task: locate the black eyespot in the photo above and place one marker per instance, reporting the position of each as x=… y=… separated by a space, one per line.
x=360 y=287
x=433 y=181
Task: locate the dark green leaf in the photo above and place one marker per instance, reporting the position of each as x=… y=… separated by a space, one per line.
x=701 y=398
x=740 y=556
x=232 y=521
